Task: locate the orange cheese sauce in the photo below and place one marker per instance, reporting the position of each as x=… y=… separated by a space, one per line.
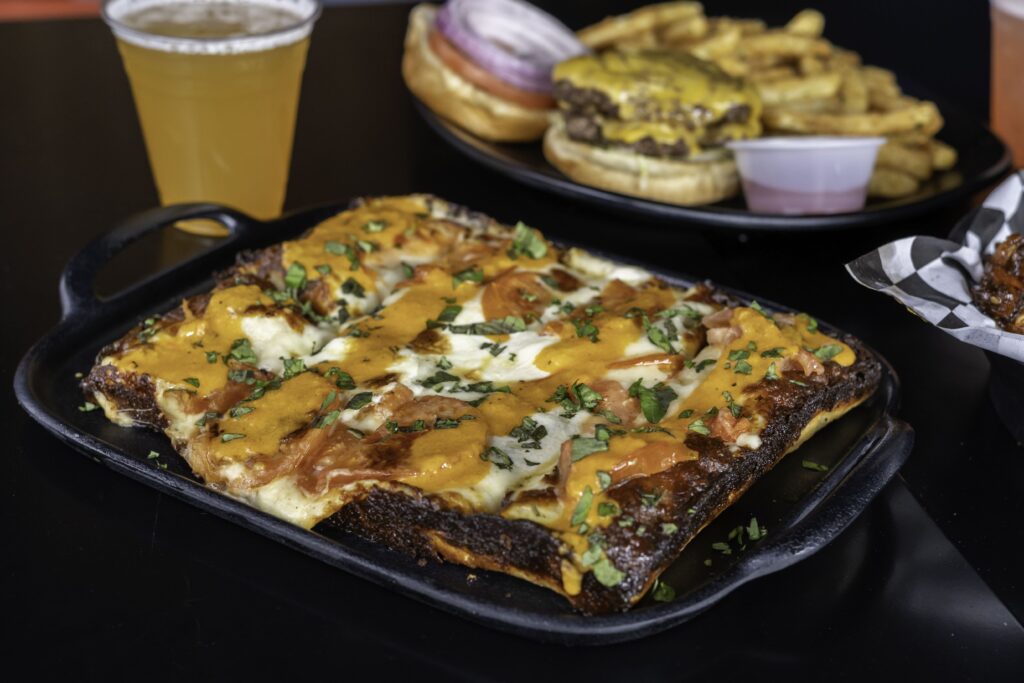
x=182 y=351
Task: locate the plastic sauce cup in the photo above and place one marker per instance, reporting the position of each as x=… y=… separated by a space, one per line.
x=806 y=175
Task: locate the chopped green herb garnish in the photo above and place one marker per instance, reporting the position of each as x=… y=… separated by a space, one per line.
x=342 y=379
x=586 y=329
x=323 y=269
x=828 y=351
x=574 y=398
x=351 y=286
x=686 y=413
x=191 y=380
x=407 y=270
x=699 y=427
x=651 y=498
x=668 y=528
x=295 y=278
x=230 y=437
x=374 y=226
x=439 y=377
x=654 y=402
x=739 y=354
x=757 y=307
x=367 y=246
x=497 y=457
x=754 y=530
x=812 y=324
x=328 y=419
x=293 y=366
x=527 y=241
x=582 y=446
x=361 y=399
x=775 y=352
x=467 y=275
x=772 y=373
x=449 y=313
x=811 y=465
x=201 y=422
x=241 y=350
x=152 y=455
x=742 y=368
x=239 y=411
x=604 y=480
x=507 y=325
x=607 y=574
x=579 y=515
x=339 y=249
x=607 y=509
x=529 y=433
x=699 y=367
x=212 y=357
x=662 y=592
x=88 y=407
x=328 y=400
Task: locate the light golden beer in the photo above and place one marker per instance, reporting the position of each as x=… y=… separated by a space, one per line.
x=216 y=85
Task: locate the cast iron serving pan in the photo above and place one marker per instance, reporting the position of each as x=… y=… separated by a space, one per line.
x=803 y=509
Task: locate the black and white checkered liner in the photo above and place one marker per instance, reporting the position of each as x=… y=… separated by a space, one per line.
x=933 y=277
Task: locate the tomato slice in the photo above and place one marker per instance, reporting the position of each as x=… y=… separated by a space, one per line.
x=483 y=79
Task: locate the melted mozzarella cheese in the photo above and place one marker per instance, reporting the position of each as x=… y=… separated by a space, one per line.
x=273 y=339
x=284 y=499
x=598 y=267
x=488 y=493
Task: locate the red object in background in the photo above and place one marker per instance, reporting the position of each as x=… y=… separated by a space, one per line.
x=15 y=10
x=1007 y=82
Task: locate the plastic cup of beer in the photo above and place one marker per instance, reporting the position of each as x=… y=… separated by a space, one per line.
x=1007 y=83
x=216 y=85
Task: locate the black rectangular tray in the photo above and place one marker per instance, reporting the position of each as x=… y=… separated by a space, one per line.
x=802 y=509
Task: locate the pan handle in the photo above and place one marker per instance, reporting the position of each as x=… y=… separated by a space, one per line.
x=893 y=441
x=77 y=282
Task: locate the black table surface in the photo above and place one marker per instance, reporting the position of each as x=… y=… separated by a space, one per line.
x=104 y=577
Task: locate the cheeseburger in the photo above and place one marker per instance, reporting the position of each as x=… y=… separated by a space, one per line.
x=650 y=124
x=486 y=65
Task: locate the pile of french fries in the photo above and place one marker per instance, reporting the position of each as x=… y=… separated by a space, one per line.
x=808 y=85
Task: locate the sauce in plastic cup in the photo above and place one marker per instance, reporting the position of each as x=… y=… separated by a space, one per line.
x=806 y=175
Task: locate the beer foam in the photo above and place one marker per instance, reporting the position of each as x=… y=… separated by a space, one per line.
x=275 y=23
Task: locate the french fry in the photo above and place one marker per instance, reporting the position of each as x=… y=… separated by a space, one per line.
x=811 y=65
x=785 y=90
x=644 y=40
x=694 y=28
x=891 y=184
x=773 y=73
x=914 y=161
x=922 y=117
x=733 y=65
x=853 y=92
x=942 y=155
x=785 y=44
x=911 y=139
x=721 y=41
x=747 y=27
x=613 y=29
x=809 y=22
x=830 y=105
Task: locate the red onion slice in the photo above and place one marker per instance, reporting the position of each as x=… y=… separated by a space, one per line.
x=514 y=40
